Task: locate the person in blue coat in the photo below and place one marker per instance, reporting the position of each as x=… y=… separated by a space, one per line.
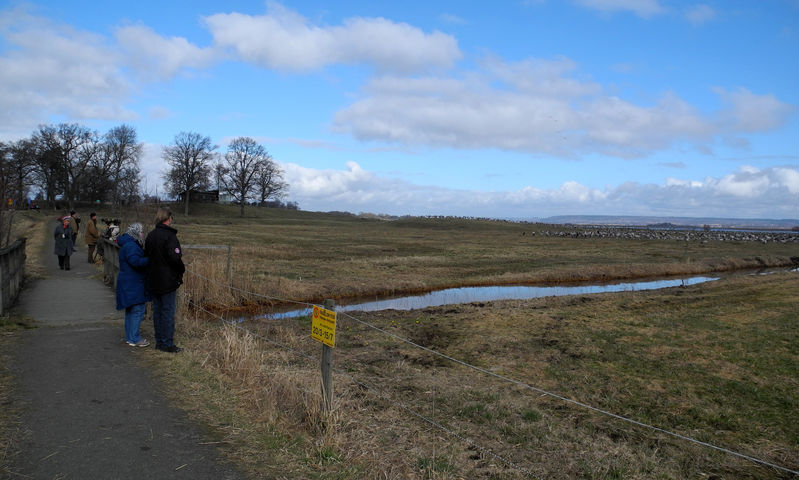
x=132 y=293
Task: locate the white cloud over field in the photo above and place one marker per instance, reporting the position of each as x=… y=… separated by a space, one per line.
x=745 y=192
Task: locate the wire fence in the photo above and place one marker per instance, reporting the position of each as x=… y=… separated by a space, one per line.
x=449 y=427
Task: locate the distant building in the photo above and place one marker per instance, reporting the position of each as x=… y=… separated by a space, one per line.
x=197 y=196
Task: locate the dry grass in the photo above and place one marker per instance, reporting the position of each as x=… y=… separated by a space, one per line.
x=715 y=362
x=305 y=256
x=32 y=226
x=685 y=359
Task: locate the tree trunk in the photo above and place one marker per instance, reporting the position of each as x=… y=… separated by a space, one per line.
x=186 y=205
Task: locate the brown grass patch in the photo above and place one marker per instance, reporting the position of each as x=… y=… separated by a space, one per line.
x=716 y=361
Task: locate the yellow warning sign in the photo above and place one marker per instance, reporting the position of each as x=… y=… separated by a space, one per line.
x=323 y=326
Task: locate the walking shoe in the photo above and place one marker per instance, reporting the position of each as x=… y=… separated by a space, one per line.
x=141 y=343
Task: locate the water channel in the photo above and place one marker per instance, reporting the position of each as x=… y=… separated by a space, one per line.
x=451 y=296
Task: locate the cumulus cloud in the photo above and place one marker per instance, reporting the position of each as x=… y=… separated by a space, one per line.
x=47 y=68
x=748 y=192
x=284 y=40
x=541 y=107
x=156 y=57
x=642 y=8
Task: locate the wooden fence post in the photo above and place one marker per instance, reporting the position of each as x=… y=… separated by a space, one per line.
x=229 y=269
x=327 y=368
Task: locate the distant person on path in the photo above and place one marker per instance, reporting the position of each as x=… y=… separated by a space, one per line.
x=165 y=275
x=92 y=235
x=63 y=242
x=74 y=222
x=132 y=294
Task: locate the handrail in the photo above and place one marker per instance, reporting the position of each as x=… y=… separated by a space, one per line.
x=12 y=273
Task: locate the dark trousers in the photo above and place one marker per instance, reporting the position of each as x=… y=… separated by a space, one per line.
x=63 y=262
x=164 y=319
x=91 y=253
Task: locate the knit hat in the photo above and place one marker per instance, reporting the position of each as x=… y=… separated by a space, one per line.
x=135 y=230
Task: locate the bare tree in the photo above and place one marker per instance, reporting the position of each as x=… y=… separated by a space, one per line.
x=21 y=164
x=46 y=165
x=15 y=163
x=269 y=182
x=189 y=159
x=5 y=171
x=244 y=159
x=121 y=154
x=69 y=148
x=219 y=171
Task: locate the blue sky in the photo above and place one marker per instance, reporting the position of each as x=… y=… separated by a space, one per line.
x=521 y=109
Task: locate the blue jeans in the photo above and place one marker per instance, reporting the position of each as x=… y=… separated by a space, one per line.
x=133 y=317
x=164 y=319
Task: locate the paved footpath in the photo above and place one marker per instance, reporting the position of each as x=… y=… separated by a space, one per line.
x=90 y=410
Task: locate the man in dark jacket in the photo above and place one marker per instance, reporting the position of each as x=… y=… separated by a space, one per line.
x=164 y=275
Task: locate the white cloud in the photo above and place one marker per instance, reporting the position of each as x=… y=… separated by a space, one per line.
x=537 y=106
x=748 y=193
x=49 y=69
x=160 y=58
x=676 y=182
x=787 y=178
x=700 y=14
x=745 y=111
x=152 y=167
x=642 y=8
x=751 y=182
x=747 y=182
x=284 y=40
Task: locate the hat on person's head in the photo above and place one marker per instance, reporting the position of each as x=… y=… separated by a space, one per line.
x=72 y=212
x=135 y=230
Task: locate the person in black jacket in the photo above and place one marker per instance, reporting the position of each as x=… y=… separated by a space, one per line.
x=164 y=276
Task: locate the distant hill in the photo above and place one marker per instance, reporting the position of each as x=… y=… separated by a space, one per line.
x=744 y=223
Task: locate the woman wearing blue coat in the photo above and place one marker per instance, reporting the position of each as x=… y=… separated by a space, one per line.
x=132 y=294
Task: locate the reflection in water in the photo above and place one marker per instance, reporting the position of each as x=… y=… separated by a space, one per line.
x=487 y=294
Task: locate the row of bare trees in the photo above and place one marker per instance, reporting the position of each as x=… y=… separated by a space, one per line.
x=72 y=163
x=246 y=171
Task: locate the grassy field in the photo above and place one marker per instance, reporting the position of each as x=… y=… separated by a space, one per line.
x=311 y=256
x=716 y=362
